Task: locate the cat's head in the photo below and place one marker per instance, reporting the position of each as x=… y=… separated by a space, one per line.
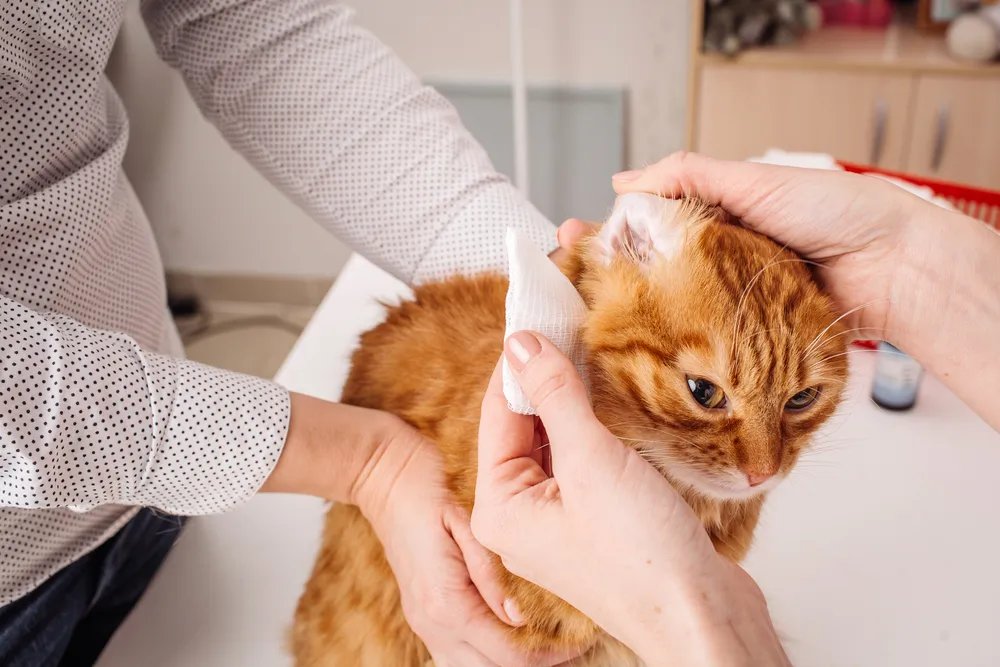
x=711 y=349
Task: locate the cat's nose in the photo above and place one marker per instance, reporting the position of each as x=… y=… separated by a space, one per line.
x=757 y=480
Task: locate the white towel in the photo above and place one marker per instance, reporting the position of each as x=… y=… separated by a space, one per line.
x=540 y=298
x=824 y=161
x=798 y=159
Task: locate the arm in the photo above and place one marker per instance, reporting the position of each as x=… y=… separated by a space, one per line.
x=902 y=269
x=946 y=304
x=90 y=418
x=330 y=116
x=653 y=581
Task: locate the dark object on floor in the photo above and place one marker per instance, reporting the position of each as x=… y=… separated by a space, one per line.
x=183 y=306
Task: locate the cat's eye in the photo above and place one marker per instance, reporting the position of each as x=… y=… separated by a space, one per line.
x=706 y=393
x=803 y=399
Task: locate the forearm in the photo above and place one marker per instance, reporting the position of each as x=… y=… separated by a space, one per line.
x=720 y=621
x=333 y=118
x=95 y=419
x=945 y=305
x=330 y=449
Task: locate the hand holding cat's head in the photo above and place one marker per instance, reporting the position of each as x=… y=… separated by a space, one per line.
x=713 y=350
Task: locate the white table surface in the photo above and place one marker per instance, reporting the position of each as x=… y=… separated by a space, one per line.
x=880 y=549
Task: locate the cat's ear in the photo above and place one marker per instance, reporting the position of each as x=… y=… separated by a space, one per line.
x=643 y=229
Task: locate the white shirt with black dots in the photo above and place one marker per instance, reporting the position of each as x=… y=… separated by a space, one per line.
x=99 y=415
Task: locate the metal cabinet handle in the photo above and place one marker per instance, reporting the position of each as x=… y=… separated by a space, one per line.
x=941 y=137
x=878 y=140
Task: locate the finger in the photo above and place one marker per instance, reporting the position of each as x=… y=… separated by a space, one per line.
x=491 y=640
x=503 y=435
x=482 y=570
x=557 y=393
x=510 y=479
x=571 y=231
x=735 y=186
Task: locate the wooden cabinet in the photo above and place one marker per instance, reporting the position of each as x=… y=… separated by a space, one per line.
x=859 y=117
x=893 y=99
x=955 y=133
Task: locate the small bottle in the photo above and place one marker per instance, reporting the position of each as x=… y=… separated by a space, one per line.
x=897 y=379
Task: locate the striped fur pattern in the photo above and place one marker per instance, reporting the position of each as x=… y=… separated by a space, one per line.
x=730 y=308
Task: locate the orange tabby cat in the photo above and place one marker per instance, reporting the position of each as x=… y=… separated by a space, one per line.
x=710 y=349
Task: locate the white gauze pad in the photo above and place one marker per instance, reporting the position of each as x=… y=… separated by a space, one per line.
x=540 y=298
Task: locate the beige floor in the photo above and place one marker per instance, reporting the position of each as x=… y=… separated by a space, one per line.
x=255 y=350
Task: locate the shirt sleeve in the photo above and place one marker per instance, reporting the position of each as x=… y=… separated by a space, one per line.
x=87 y=418
x=332 y=117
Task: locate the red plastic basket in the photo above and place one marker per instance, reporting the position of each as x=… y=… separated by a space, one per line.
x=978 y=203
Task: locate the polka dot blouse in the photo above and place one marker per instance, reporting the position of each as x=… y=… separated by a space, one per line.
x=99 y=414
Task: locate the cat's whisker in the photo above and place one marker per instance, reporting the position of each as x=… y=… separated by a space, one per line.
x=859 y=350
x=816 y=449
x=673 y=438
x=814 y=466
x=656 y=442
x=846 y=332
x=849 y=312
x=761 y=333
x=825 y=380
x=645 y=427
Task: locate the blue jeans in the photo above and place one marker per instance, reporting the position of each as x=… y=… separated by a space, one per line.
x=68 y=620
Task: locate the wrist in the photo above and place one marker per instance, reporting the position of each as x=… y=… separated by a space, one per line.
x=719 y=619
x=327 y=448
x=945 y=308
x=946 y=270
x=396 y=451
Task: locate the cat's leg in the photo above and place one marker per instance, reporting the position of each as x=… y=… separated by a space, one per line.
x=350 y=613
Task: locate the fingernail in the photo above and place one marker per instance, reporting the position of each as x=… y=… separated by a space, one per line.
x=521 y=347
x=626 y=176
x=513 y=611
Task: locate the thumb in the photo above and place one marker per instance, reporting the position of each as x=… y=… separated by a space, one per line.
x=738 y=187
x=557 y=393
x=572 y=230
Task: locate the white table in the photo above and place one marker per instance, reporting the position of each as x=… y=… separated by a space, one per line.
x=879 y=550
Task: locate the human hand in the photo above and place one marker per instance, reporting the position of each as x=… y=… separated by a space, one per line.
x=569 y=232
x=856 y=228
x=605 y=532
x=449 y=594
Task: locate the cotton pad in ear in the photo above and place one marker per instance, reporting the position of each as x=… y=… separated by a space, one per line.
x=540 y=298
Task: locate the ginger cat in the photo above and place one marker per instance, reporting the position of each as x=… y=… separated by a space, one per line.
x=710 y=349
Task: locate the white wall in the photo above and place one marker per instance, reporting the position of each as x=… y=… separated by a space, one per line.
x=213 y=214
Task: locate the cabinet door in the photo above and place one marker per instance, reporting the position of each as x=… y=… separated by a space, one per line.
x=956 y=130
x=852 y=115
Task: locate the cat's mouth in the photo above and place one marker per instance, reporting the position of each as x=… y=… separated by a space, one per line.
x=724 y=485
x=725 y=491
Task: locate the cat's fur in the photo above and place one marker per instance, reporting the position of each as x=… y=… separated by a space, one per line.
x=728 y=305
